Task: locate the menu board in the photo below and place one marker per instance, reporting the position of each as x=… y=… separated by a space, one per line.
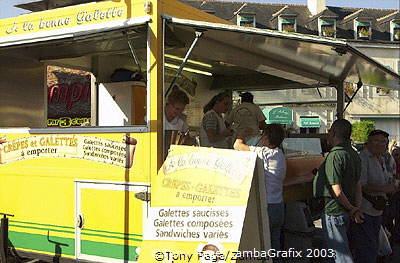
x=198 y=205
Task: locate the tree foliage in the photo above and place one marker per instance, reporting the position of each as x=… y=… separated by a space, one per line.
x=361 y=130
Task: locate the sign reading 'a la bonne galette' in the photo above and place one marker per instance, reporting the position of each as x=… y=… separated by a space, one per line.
x=77 y=18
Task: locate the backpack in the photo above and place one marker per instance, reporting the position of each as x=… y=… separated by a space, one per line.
x=122 y=74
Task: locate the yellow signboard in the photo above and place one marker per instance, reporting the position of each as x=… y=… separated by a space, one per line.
x=69 y=146
x=199 y=201
x=81 y=15
x=65 y=20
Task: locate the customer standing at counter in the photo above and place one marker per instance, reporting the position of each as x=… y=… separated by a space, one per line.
x=395 y=200
x=247 y=115
x=274 y=171
x=337 y=183
x=213 y=132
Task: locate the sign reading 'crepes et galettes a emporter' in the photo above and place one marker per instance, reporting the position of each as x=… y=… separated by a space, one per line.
x=68 y=146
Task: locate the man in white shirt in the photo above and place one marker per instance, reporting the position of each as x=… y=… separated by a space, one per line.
x=173 y=118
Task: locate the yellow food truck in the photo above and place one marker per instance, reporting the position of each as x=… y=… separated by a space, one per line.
x=81 y=111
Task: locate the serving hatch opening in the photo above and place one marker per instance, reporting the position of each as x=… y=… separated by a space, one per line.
x=70 y=82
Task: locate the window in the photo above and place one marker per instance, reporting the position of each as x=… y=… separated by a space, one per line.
x=329 y=118
x=91 y=81
x=287 y=24
x=294 y=147
x=121 y=103
x=329 y=92
x=363 y=30
x=365 y=92
x=327 y=27
x=395 y=30
x=370 y=92
x=70 y=103
x=309 y=124
x=246 y=20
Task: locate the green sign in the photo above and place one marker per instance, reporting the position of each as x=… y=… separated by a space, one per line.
x=279 y=115
x=309 y=122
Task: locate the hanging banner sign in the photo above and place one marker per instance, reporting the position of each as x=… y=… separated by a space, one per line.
x=199 y=200
x=69 y=146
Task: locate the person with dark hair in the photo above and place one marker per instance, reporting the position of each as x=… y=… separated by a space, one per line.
x=391 y=214
x=176 y=103
x=396 y=157
x=395 y=201
x=337 y=184
x=274 y=171
x=247 y=115
x=213 y=131
x=175 y=126
x=376 y=184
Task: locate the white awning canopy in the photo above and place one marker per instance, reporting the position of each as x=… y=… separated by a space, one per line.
x=279 y=59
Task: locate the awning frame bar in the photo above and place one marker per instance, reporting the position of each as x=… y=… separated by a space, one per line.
x=198 y=35
x=359 y=86
x=134 y=54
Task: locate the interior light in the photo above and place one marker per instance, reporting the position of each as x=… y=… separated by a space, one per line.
x=189 y=60
x=189 y=69
x=226 y=64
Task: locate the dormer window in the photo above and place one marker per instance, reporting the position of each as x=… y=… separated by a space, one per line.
x=395 y=30
x=363 y=30
x=287 y=24
x=246 y=20
x=327 y=27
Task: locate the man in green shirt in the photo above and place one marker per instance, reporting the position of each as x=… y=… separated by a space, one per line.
x=337 y=184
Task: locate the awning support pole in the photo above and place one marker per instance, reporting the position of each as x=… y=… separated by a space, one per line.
x=359 y=85
x=198 y=34
x=340 y=100
x=134 y=55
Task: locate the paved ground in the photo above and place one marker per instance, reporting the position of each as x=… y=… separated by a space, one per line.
x=310 y=240
x=318 y=243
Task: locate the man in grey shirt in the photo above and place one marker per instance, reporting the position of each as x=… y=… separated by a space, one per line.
x=375 y=182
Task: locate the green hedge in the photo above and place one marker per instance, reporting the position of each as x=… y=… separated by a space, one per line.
x=361 y=130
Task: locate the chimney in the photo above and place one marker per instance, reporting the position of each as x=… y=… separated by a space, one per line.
x=316 y=6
